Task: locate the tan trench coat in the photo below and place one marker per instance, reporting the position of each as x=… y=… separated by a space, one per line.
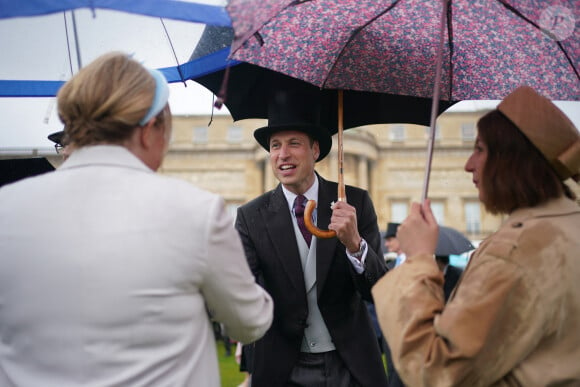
x=514 y=319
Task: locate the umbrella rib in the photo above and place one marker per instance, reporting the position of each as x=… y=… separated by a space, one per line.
x=67 y=43
x=77 y=45
x=354 y=33
x=173 y=51
x=569 y=59
x=516 y=12
x=451 y=51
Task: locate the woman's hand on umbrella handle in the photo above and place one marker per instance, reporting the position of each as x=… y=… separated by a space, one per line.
x=418 y=234
x=320 y=234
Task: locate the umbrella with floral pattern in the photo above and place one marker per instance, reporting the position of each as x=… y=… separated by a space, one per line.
x=390 y=46
x=449 y=49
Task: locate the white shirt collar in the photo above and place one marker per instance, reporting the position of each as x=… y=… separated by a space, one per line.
x=311 y=193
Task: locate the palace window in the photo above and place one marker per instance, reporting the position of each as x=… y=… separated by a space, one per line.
x=468 y=131
x=235 y=134
x=399 y=210
x=438 y=209
x=472 y=217
x=397 y=133
x=200 y=135
x=437 y=132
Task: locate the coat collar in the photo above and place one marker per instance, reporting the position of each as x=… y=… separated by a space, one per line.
x=554 y=207
x=104 y=155
x=513 y=224
x=278 y=221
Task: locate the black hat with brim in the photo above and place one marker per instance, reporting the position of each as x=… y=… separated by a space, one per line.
x=262 y=135
x=295 y=111
x=56 y=137
x=392 y=230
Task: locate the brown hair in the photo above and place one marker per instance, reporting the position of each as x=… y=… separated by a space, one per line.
x=104 y=102
x=516 y=174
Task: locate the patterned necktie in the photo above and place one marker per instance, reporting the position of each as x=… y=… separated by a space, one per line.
x=299 y=205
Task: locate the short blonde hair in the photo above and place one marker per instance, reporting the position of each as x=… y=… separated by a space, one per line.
x=104 y=102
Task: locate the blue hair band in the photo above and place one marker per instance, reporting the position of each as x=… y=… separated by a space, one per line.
x=159 y=99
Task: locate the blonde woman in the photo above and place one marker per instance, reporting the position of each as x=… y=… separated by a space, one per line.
x=106 y=268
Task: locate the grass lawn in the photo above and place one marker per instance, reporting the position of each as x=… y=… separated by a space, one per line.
x=229 y=370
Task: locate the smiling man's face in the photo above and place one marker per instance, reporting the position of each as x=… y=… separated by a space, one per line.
x=293 y=155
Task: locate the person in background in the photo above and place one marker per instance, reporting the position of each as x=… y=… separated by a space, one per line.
x=393 y=245
x=393 y=379
x=322 y=333
x=60 y=146
x=513 y=318
x=106 y=267
x=451 y=274
x=244 y=358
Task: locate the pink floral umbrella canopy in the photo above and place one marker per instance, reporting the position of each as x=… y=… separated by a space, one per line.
x=390 y=46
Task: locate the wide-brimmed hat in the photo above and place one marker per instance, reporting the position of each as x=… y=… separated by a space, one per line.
x=392 y=230
x=547 y=127
x=295 y=111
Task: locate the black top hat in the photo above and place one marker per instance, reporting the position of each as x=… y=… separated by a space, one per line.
x=392 y=230
x=295 y=111
x=56 y=137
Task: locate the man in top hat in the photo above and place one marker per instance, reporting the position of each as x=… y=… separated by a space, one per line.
x=321 y=333
x=393 y=245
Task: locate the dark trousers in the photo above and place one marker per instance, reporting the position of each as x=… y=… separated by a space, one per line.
x=321 y=370
x=393 y=377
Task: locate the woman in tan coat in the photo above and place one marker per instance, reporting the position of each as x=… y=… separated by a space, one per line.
x=514 y=318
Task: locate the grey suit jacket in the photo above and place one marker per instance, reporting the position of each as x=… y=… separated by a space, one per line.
x=265 y=226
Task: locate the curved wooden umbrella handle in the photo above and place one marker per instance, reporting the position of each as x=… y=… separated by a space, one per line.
x=327 y=234
x=320 y=234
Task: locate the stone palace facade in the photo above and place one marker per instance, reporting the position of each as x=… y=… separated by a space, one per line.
x=387 y=160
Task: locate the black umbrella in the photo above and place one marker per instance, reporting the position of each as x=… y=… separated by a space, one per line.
x=249 y=87
x=452 y=242
x=15 y=169
x=247 y=90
